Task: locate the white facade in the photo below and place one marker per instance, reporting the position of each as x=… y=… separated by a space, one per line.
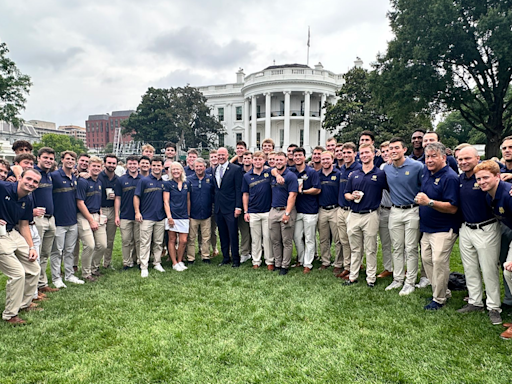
x=282 y=102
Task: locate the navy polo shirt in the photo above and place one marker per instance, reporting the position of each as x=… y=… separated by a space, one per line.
x=107 y=183
x=64 y=198
x=150 y=191
x=89 y=191
x=502 y=204
x=473 y=201
x=371 y=183
x=209 y=171
x=259 y=190
x=126 y=189
x=441 y=186
x=377 y=160
x=43 y=195
x=307 y=204
x=201 y=196
x=178 y=199
x=504 y=169
x=404 y=181
x=344 y=174
x=330 y=185
x=280 y=191
x=188 y=171
x=13 y=209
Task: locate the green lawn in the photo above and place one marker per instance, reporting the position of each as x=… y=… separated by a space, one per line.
x=222 y=325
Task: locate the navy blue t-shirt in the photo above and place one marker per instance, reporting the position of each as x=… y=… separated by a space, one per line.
x=502 y=204
x=150 y=191
x=371 y=184
x=125 y=188
x=178 y=199
x=201 y=196
x=330 y=185
x=13 y=209
x=307 y=204
x=259 y=190
x=344 y=174
x=89 y=191
x=473 y=201
x=280 y=191
x=107 y=183
x=188 y=172
x=64 y=198
x=43 y=195
x=441 y=186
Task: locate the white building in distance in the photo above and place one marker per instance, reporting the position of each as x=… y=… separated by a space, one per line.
x=281 y=102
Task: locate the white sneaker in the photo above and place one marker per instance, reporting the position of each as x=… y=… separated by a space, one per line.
x=177 y=267
x=244 y=258
x=59 y=284
x=394 y=285
x=182 y=265
x=407 y=290
x=159 y=268
x=423 y=283
x=75 y=280
x=144 y=273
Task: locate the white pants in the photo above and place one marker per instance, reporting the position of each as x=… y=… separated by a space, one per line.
x=305 y=238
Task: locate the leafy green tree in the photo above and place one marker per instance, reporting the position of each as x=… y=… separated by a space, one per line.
x=60 y=143
x=451 y=55
x=14 y=86
x=179 y=115
x=454 y=130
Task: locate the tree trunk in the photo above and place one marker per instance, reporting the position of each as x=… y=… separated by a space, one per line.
x=492 y=146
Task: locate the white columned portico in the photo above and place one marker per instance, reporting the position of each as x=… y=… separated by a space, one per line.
x=268 y=114
x=322 y=117
x=307 y=114
x=246 y=119
x=254 y=124
x=286 y=140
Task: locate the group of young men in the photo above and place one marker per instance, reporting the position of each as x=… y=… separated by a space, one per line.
x=350 y=195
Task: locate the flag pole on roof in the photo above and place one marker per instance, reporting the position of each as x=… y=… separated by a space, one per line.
x=309 y=39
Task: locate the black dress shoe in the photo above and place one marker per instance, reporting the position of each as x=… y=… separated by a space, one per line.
x=207 y=261
x=277 y=269
x=190 y=262
x=370 y=285
x=224 y=262
x=235 y=265
x=348 y=282
x=283 y=271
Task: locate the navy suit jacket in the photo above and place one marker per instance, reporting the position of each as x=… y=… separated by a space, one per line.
x=229 y=195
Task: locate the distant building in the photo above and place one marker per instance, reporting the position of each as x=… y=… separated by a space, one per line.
x=9 y=133
x=281 y=102
x=100 y=129
x=75 y=131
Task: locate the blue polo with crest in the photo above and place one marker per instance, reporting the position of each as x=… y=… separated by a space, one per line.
x=12 y=208
x=259 y=190
x=43 y=195
x=150 y=191
x=371 y=184
x=330 y=185
x=201 y=196
x=64 y=198
x=89 y=191
x=501 y=205
x=344 y=174
x=178 y=198
x=307 y=204
x=125 y=188
x=280 y=192
x=473 y=201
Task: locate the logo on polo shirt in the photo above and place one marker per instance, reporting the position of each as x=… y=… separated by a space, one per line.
x=305 y=177
x=265 y=175
x=333 y=177
x=476 y=186
x=185 y=186
x=436 y=182
x=406 y=173
x=501 y=210
x=23 y=205
x=7 y=198
x=374 y=178
x=207 y=180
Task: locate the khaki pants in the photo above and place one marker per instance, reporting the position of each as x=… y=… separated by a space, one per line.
x=344 y=253
x=404 y=229
x=151 y=240
x=260 y=234
x=507 y=275
x=480 y=251
x=205 y=227
x=245 y=236
x=111 y=229
x=46 y=229
x=22 y=274
x=385 y=239
x=62 y=251
x=435 y=255
x=305 y=238
x=281 y=236
x=76 y=253
x=363 y=229
x=130 y=236
x=94 y=243
x=327 y=226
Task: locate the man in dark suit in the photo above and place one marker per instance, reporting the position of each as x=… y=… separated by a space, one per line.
x=228 y=205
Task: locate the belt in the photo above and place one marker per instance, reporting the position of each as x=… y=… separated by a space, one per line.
x=47 y=216
x=329 y=207
x=94 y=212
x=346 y=208
x=480 y=225
x=384 y=207
x=365 y=212
x=279 y=208
x=408 y=206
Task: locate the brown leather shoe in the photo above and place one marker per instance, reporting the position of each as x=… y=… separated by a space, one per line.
x=337 y=270
x=324 y=267
x=507 y=335
x=33 y=307
x=297 y=265
x=255 y=266
x=90 y=279
x=41 y=295
x=346 y=277
x=16 y=321
x=385 y=273
x=343 y=274
x=48 y=289
x=270 y=267
x=307 y=270
x=40 y=299
x=507 y=325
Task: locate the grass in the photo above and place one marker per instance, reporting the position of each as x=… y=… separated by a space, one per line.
x=221 y=325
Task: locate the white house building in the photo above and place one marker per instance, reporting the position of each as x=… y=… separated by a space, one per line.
x=283 y=102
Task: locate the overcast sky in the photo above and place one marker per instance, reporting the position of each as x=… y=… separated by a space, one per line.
x=96 y=56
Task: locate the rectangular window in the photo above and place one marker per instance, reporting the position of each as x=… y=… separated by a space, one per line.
x=281 y=138
x=238 y=137
x=319 y=137
x=239 y=113
x=301 y=139
x=258 y=114
x=220 y=113
x=221 y=140
x=302 y=109
x=101 y=127
x=281 y=108
x=258 y=140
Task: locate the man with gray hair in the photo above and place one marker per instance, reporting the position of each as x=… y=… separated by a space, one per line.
x=438 y=201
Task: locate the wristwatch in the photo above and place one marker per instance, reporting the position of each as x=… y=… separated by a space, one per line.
x=287 y=213
x=431 y=203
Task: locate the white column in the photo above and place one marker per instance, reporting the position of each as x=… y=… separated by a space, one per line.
x=322 y=117
x=268 y=114
x=307 y=114
x=254 y=125
x=286 y=119
x=246 y=120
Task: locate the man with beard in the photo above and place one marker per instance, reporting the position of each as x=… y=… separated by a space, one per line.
x=170 y=151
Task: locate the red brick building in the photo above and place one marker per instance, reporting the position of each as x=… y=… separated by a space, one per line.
x=100 y=129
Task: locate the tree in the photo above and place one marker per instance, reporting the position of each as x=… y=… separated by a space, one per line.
x=357 y=109
x=14 y=86
x=451 y=55
x=179 y=115
x=60 y=143
x=454 y=130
